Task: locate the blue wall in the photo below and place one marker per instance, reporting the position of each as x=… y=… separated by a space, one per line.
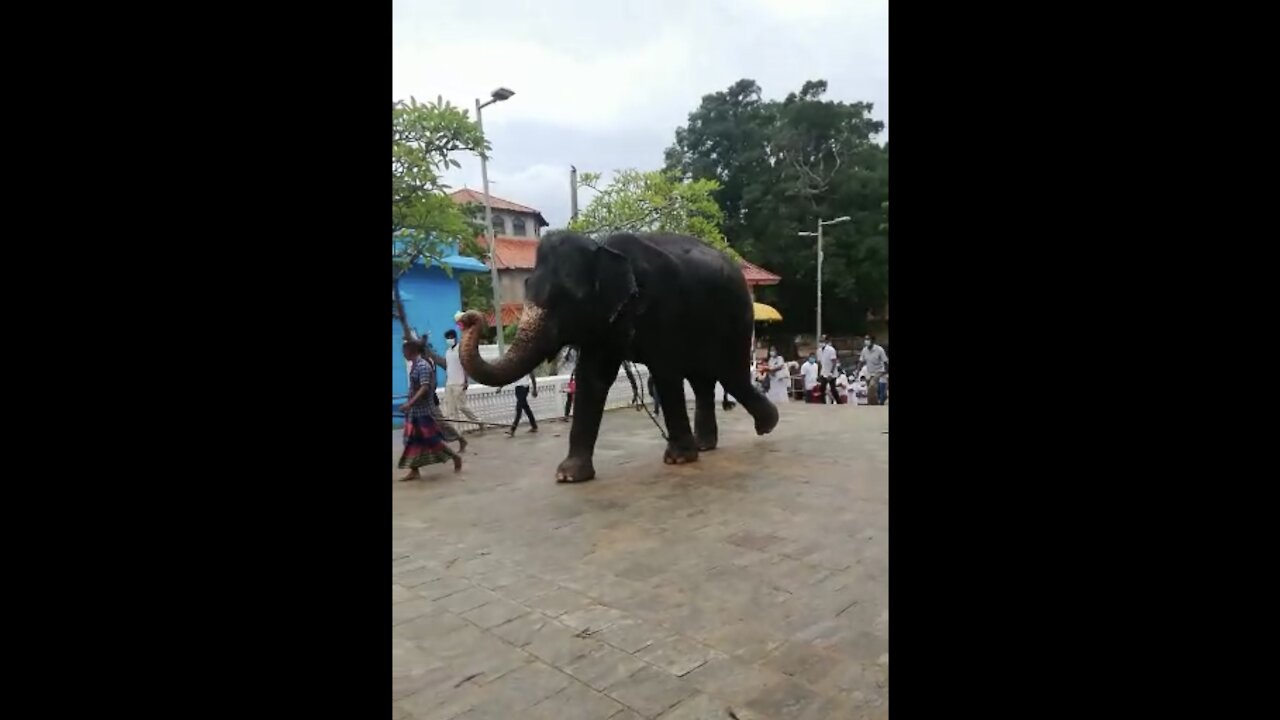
x=430 y=300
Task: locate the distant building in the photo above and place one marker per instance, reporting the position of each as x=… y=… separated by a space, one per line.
x=509 y=219
x=516 y=230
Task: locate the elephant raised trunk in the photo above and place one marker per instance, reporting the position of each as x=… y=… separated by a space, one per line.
x=533 y=343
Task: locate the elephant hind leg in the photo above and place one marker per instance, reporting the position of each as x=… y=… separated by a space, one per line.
x=739 y=385
x=705 y=431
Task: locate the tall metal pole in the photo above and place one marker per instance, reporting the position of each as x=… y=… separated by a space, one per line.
x=488 y=228
x=821 y=223
x=573 y=193
x=818 y=338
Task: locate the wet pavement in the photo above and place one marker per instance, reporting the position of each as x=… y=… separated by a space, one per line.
x=754 y=581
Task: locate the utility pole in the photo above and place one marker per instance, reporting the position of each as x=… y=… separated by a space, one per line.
x=496 y=96
x=573 y=193
x=821 y=224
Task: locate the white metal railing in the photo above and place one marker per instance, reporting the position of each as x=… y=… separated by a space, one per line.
x=500 y=407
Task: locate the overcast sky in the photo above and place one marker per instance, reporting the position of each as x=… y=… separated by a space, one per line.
x=603 y=85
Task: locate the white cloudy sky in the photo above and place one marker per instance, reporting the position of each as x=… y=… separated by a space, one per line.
x=603 y=85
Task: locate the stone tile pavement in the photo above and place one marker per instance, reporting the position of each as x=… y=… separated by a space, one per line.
x=754 y=581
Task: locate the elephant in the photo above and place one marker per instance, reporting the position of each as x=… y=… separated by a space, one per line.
x=669 y=301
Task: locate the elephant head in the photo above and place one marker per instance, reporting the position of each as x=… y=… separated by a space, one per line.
x=576 y=292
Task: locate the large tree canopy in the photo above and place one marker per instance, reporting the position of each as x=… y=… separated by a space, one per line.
x=424 y=220
x=781 y=166
x=655 y=201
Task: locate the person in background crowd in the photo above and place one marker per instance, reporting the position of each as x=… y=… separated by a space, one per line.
x=842 y=387
x=809 y=373
x=568 y=401
x=860 y=391
x=828 y=368
x=876 y=363
x=760 y=375
x=456 y=382
x=884 y=388
x=522 y=405
x=423 y=441
x=779 y=377
x=568 y=361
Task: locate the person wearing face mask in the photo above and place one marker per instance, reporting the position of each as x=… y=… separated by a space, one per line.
x=858 y=394
x=842 y=387
x=779 y=377
x=456 y=382
x=809 y=373
x=828 y=368
x=875 y=362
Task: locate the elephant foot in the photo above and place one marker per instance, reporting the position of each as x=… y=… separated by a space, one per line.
x=707 y=443
x=575 y=469
x=767 y=420
x=678 y=455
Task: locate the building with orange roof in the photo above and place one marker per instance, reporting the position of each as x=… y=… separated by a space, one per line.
x=516 y=230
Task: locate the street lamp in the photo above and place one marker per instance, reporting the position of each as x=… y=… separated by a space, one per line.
x=496 y=96
x=821 y=224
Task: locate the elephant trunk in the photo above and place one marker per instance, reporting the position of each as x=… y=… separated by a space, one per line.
x=532 y=344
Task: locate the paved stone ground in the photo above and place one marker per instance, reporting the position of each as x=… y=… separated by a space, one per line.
x=755 y=580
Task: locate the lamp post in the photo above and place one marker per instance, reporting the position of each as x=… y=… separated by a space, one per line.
x=496 y=96
x=821 y=223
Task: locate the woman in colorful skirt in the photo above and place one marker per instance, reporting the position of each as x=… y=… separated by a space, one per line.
x=424 y=442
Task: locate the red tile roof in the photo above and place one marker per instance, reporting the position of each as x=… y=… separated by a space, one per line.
x=466 y=196
x=510 y=314
x=521 y=253
x=757 y=275
x=514 y=253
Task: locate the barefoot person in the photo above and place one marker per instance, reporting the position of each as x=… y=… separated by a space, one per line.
x=423 y=440
x=447 y=430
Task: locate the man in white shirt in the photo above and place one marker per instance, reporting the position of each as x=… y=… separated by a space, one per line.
x=455 y=383
x=828 y=369
x=809 y=372
x=875 y=362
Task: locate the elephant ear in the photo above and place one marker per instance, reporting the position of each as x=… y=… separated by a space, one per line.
x=615 y=282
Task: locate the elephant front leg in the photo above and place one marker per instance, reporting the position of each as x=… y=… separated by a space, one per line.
x=681 y=446
x=704 y=415
x=595 y=377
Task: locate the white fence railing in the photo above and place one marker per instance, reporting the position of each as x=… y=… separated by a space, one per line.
x=500 y=407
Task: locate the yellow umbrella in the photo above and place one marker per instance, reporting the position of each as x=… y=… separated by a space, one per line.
x=765 y=313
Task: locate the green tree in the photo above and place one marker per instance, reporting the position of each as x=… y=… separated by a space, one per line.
x=424 y=220
x=783 y=165
x=655 y=201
